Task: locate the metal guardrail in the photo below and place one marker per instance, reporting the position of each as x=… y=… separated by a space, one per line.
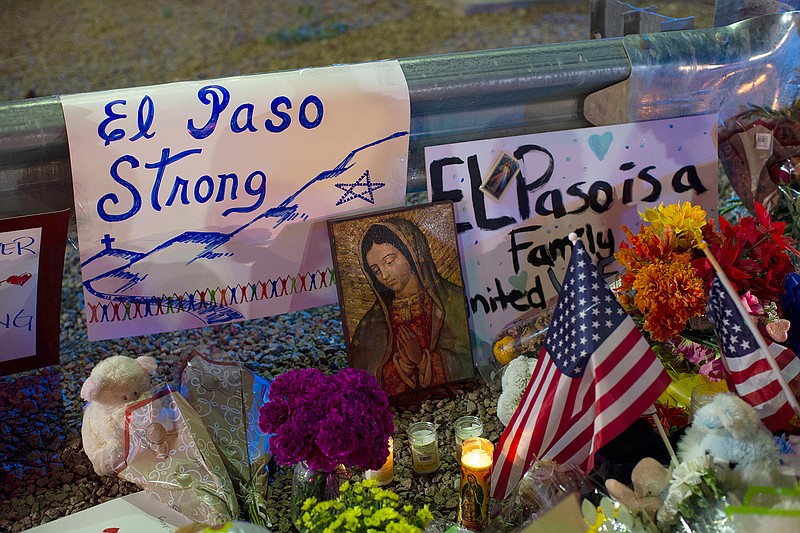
x=454 y=97
x=465 y=96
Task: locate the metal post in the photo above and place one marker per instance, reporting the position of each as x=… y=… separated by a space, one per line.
x=613 y=18
x=730 y=11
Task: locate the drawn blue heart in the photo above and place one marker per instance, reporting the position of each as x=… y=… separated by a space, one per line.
x=600 y=144
x=520 y=281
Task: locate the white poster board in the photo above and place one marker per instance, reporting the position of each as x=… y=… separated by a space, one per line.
x=19 y=281
x=134 y=513
x=592 y=181
x=204 y=202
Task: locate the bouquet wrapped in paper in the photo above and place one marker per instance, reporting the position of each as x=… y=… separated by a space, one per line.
x=171 y=455
x=760 y=153
x=227 y=398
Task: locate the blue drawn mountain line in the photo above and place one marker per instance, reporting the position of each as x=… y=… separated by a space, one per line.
x=287 y=210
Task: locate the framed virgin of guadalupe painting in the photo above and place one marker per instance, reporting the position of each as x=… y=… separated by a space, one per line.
x=401 y=295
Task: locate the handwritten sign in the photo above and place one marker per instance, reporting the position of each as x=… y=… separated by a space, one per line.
x=204 y=202
x=591 y=181
x=31 y=267
x=19 y=278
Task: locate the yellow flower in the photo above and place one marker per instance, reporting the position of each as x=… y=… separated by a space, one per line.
x=363 y=507
x=425 y=514
x=687 y=221
x=599 y=521
x=504 y=350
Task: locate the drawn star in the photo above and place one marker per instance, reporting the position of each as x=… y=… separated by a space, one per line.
x=363 y=182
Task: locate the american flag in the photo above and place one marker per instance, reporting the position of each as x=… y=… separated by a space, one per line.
x=595 y=376
x=746 y=365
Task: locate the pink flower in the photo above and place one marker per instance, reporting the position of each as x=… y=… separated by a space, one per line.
x=713 y=370
x=751 y=304
x=693 y=352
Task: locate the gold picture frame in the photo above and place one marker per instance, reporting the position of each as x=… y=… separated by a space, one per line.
x=401 y=295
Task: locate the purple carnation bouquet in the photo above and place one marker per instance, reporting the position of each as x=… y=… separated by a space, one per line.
x=327 y=420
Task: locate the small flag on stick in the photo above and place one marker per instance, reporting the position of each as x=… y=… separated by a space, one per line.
x=595 y=376
x=746 y=360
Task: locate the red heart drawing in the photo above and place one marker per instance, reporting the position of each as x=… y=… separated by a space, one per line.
x=111 y=530
x=19 y=280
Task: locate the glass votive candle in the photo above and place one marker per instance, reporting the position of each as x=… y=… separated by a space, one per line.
x=424 y=447
x=466 y=427
x=385 y=475
x=701 y=395
x=476 y=478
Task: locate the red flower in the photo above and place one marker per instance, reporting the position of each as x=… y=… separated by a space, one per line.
x=752 y=255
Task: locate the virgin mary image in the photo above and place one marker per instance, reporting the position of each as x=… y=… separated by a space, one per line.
x=415 y=334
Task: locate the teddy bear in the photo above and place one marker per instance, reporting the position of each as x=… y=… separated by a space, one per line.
x=516 y=376
x=727 y=434
x=729 y=430
x=650 y=479
x=114 y=383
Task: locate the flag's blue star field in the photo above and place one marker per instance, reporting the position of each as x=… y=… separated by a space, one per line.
x=735 y=337
x=587 y=313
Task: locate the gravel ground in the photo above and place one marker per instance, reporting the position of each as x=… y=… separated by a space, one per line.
x=58 y=47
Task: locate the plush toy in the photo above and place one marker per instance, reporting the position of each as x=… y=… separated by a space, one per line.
x=729 y=430
x=114 y=384
x=650 y=479
x=516 y=376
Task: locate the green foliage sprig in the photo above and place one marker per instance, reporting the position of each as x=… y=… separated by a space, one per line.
x=362 y=507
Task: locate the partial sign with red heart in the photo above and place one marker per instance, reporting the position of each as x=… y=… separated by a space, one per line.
x=20 y=279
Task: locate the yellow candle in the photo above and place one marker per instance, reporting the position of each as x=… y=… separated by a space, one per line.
x=476 y=460
x=385 y=475
x=476 y=478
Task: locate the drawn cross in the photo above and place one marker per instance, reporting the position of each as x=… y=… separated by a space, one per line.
x=107 y=240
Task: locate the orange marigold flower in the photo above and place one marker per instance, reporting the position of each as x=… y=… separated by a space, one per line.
x=668 y=294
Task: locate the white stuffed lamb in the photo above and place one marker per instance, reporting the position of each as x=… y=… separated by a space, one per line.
x=115 y=383
x=516 y=376
x=729 y=430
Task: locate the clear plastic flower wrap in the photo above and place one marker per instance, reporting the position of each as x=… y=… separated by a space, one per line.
x=759 y=151
x=696 y=499
x=546 y=484
x=440 y=525
x=171 y=456
x=227 y=527
x=227 y=397
x=522 y=337
x=767 y=510
x=543 y=486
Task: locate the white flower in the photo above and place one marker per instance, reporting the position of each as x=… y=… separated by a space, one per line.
x=690 y=472
x=686 y=475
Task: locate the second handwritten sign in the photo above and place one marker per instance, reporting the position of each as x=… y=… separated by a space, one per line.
x=591 y=181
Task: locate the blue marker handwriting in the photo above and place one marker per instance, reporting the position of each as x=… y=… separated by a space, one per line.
x=19 y=321
x=18 y=247
x=206 y=243
x=117 y=125
x=309 y=115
